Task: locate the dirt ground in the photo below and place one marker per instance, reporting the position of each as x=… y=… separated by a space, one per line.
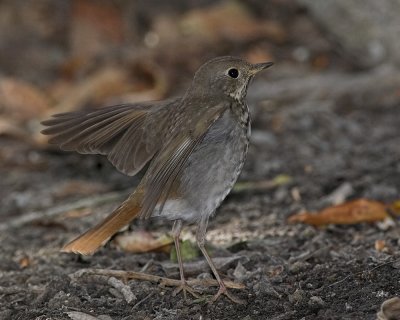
x=332 y=131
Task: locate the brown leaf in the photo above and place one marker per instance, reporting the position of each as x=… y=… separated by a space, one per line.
x=95 y=88
x=10 y=129
x=96 y=26
x=230 y=21
x=21 y=101
x=149 y=82
x=112 y=85
x=258 y=53
x=142 y=241
x=24 y=262
x=356 y=211
x=380 y=245
x=395 y=207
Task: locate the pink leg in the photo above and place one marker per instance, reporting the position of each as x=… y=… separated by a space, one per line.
x=201 y=237
x=176 y=231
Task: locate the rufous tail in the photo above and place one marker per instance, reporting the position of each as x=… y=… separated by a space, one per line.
x=91 y=240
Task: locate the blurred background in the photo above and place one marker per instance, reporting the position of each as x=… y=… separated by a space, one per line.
x=325 y=125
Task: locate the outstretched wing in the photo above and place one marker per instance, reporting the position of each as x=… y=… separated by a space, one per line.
x=168 y=163
x=124 y=133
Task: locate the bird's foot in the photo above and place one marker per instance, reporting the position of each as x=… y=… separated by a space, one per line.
x=184 y=287
x=224 y=291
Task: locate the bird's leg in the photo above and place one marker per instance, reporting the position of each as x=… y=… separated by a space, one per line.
x=201 y=238
x=176 y=231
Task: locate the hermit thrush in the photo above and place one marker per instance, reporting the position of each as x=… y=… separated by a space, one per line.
x=196 y=146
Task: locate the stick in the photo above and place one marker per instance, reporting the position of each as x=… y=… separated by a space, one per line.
x=156 y=279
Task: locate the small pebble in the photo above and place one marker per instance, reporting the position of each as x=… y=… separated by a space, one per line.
x=240 y=272
x=265 y=287
x=316 y=301
x=297 y=297
x=298 y=267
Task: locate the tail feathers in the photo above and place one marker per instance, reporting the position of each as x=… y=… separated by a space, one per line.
x=95 y=237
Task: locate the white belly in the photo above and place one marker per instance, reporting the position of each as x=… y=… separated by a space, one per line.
x=210 y=172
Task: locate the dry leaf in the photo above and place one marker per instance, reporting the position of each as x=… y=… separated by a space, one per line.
x=230 y=21
x=258 y=53
x=24 y=262
x=142 y=241
x=95 y=27
x=10 y=129
x=21 y=101
x=133 y=83
x=360 y=210
x=149 y=82
x=380 y=245
x=95 y=88
x=395 y=207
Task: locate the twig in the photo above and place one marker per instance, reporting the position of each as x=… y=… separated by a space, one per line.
x=196 y=267
x=156 y=279
x=55 y=211
x=339 y=281
x=383 y=264
x=147 y=265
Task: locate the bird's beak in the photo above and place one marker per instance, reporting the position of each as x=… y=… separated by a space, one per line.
x=260 y=66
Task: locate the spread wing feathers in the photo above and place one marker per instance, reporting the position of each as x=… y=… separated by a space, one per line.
x=116 y=131
x=168 y=164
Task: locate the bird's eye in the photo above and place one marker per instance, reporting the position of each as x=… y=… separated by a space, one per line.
x=233 y=73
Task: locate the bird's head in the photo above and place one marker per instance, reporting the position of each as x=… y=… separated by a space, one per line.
x=227 y=76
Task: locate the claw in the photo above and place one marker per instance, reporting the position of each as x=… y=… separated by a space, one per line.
x=223 y=290
x=184 y=287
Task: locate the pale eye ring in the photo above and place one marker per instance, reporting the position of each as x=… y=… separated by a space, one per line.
x=233 y=73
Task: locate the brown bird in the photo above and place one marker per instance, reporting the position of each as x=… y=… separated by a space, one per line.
x=196 y=146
